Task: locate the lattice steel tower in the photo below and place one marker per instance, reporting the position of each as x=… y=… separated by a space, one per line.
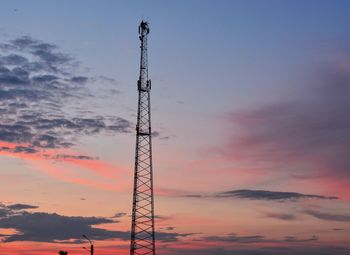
x=142 y=228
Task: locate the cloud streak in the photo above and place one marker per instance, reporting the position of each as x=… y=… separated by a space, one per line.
x=328 y=216
x=233 y=238
x=261 y=195
x=281 y=216
x=268 y=195
x=268 y=250
x=22 y=207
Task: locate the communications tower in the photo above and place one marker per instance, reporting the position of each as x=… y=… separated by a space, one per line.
x=142 y=227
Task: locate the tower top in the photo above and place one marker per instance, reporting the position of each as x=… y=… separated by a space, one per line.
x=143 y=28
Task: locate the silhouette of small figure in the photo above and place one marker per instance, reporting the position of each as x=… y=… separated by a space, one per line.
x=63 y=253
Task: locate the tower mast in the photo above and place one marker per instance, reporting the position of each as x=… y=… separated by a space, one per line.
x=142 y=227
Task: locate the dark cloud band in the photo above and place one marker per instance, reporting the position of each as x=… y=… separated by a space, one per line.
x=55 y=228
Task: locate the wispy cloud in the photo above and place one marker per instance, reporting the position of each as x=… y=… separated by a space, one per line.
x=306 y=135
x=37 y=82
x=40 y=118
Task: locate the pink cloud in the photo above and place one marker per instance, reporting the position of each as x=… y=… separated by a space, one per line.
x=66 y=169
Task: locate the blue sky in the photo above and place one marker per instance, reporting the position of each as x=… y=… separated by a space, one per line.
x=231 y=45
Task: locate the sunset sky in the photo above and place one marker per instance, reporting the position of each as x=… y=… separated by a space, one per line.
x=250 y=113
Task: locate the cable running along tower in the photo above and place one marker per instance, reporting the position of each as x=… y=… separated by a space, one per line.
x=142 y=227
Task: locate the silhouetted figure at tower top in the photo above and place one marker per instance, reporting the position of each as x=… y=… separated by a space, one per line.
x=63 y=253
